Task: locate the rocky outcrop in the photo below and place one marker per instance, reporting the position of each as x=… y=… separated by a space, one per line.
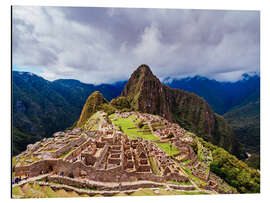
x=146 y=93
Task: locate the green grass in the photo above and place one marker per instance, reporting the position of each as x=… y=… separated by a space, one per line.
x=186 y=161
x=130 y=128
x=93 y=122
x=154 y=166
x=67 y=153
x=197 y=180
x=149 y=192
x=157 y=125
x=17 y=191
x=23 y=159
x=48 y=191
x=179 y=183
x=169 y=149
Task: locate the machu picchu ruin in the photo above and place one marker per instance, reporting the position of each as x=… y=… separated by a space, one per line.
x=132 y=146
x=123 y=152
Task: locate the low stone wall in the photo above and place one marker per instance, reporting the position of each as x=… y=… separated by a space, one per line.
x=67 y=147
x=176 y=177
x=21 y=170
x=101 y=186
x=37 y=168
x=77 y=151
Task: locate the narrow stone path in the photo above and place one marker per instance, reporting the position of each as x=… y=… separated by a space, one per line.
x=31 y=179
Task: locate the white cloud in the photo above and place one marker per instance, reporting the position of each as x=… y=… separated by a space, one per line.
x=98 y=45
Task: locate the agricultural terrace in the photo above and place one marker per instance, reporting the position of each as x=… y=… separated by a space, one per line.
x=93 y=122
x=134 y=128
x=130 y=126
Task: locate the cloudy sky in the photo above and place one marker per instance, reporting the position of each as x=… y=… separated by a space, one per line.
x=104 y=45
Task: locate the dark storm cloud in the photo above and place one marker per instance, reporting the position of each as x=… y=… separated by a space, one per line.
x=107 y=44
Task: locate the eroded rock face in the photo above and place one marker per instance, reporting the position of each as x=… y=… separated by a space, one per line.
x=146 y=93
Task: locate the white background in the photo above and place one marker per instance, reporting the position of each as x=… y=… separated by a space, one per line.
x=5 y=92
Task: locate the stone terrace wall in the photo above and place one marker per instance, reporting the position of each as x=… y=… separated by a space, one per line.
x=67 y=147
x=98 y=186
x=37 y=168
x=58 y=166
x=77 y=151
x=101 y=158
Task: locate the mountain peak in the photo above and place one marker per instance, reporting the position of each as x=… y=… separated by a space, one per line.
x=145 y=93
x=143 y=71
x=92 y=104
x=144 y=68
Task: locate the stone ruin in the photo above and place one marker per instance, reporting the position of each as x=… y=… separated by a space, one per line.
x=109 y=155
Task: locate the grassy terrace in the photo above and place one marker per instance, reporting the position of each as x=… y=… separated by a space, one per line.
x=197 y=180
x=26 y=160
x=130 y=127
x=169 y=149
x=92 y=122
x=67 y=153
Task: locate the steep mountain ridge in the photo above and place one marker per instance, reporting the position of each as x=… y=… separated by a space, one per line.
x=221 y=96
x=41 y=107
x=245 y=121
x=147 y=94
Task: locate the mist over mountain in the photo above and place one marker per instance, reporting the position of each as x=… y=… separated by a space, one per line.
x=221 y=96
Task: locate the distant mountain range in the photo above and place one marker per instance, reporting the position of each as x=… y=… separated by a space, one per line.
x=238 y=102
x=222 y=96
x=41 y=107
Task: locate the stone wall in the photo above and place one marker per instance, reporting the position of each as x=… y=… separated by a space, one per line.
x=59 y=166
x=77 y=151
x=100 y=186
x=100 y=159
x=37 y=168
x=67 y=147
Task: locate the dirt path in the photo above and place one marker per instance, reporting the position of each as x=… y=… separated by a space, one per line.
x=31 y=180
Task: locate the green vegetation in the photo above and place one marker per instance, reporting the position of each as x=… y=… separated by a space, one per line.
x=186 y=161
x=195 y=179
x=150 y=192
x=25 y=160
x=67 y=153
x=107 y=108
x=34 y=190
x=157 y=125
x=94 y=103
x=20 y=140
x=130 y=127
x=169 y=149
x=245 y=121
x=154 y=167
x=17 y=191
x=120 y=103
x=254 y=161
x=41 y=107
x=179 y=183
x=238 y=102
x=92 y=122
x=37 y=191
x=234 y=171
